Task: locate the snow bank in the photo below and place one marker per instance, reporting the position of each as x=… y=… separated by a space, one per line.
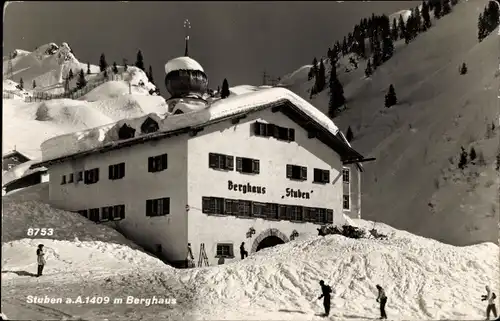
x=182 y=63
x=93 y=138
x=424 y=279
x=92 y=259
x=20 y=213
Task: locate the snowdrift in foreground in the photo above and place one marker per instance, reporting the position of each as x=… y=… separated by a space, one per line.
x=89 y=259
x=424 y=279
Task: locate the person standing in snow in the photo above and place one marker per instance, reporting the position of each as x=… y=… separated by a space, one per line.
x=243 y=252
x=190 y=257
x=40 y=259
x=382 y=298
x=326 y=291
x=490 y=297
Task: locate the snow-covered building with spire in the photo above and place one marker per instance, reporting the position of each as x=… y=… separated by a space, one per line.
x=261 y=168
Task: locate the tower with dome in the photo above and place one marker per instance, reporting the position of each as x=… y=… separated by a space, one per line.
x=186 y=81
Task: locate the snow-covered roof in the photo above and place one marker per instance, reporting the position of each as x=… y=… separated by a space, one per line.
x=106 y=137
x=15 y=152
x=20 y=171
x=182 y=63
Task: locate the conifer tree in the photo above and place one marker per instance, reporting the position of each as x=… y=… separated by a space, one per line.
x=320 y=78
x=426 y=17
x=481 y=28
x=34 y=84
x=150 y=74
x=314 y=67
x=337 y=98
x=438 y=9
x=81 y=82
x=139 y=63
x=446 y=7
x=463 y=159
x=102 y=63
x=125 y=66
x=70 y=74
x=390 y=97
x=115 y=68
x=21 y=83
x=368 y=69
x=463 y=69
x=344 y=46
x=225 y=89
x=377 y=54
x=88 y=68
x=472 y=154
x=402 y=27
x=394 y=30
x=417 y=20
x=349 y=135
x=387 y=48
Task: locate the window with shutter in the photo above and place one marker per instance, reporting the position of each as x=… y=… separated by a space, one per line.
x=291 y=134
x=63 y=180
x=228 y=206
x=212 y=160
x=70 y=179
x=289 y=169
x=206 y=205
x=230 y=163
x=272 y=210
x=96 y=175
x=263 y=129
x=164 y=162
x=256 y=129
x=79 y=177
x=320 y=215
x=346 y=202
x=329 y=216
x=282 y=212
x=270 y=130
x=312 y=215
x=256 y=166
x=239 y=164
x=305 y=214
x=326 y=176
x=303 y=173
x=151 y=164
x=317 y=175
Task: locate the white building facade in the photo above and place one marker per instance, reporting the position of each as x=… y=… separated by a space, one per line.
x=260 y=173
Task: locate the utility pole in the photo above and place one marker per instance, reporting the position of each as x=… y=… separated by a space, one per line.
x=264 y=78
x=187 y=26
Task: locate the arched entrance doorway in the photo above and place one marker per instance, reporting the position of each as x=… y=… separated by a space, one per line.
x=269 y=241
x=268 y=238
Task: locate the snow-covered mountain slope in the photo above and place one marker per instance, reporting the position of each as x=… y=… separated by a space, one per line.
x=438 y=112
x=27 y=125
x=424 y=279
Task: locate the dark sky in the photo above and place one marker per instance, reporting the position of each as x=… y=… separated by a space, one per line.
x=233 y=40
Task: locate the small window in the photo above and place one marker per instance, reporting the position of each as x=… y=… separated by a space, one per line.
x=63 y=180
x=258 y=209
x=321 y=215
x=79 y=176
x=220 y=161
x=94 y=215
x=106 y=213
x=84 y=213
x=91 y=176
x=260 y=129
x=158 y=207
x=321 y=176
x=272 y=210
x=213 y=205
x=225 y=250
x=118 y=212
x=296 y=213
x=346 y=202
x=312 y=215
x=244 y=208
x=71 y=178
x=247 y=165
x=116 y=171
x=228 y=207
x=296 y=172
x=346 y=175
x=157 y=163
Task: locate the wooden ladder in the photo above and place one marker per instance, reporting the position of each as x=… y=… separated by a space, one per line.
x=203 y=256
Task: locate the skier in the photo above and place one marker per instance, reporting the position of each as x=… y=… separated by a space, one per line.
x=243 y=252
x=382 y=298
x=326 y=291
x=40 y=259
x=490 y=296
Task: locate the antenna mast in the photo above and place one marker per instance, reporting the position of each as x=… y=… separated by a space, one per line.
x=187 y=26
